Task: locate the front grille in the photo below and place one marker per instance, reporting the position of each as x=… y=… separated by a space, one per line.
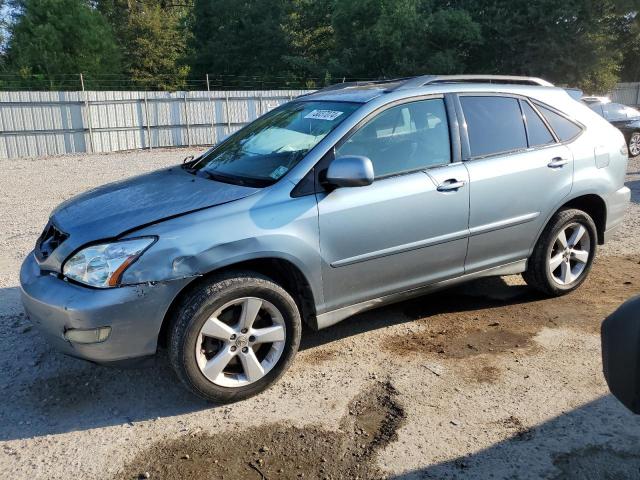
x=50 y=239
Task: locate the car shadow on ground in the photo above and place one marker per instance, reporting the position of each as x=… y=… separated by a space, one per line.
x=479 y=294
x=43 y=392
x=599 y=440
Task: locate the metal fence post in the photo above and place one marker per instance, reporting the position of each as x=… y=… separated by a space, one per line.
x=208 y=89
x=186 y=119
x=146 y=119
x=260 y=103
x=226 y=101
x=87 y=107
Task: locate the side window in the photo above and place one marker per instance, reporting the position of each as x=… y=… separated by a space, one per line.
x=495 y=125
x=615 y=112
x=597 y=107
x=403 y=138
x=565 y=129
x=537 y=132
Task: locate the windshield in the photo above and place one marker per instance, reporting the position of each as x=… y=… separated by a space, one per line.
x=266 y=149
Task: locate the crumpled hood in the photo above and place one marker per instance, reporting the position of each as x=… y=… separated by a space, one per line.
x=115 y=208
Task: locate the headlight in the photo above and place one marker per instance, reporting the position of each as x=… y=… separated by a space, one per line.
x=102 y=265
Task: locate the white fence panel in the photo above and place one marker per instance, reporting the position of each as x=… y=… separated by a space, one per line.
x=626 y=93
x=34 y=124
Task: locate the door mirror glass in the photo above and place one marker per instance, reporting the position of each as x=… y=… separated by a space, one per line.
x=621 y=353
x=350 y=171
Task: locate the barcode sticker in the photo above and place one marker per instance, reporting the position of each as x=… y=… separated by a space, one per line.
x=323 y=114
x=278 y=172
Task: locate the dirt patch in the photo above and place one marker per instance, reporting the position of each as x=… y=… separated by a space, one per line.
x=317 y=355
x=514 y=423
x=497 y=315
x=597 y=463
x=282 y=451
x=472 y=342
x=484 y=373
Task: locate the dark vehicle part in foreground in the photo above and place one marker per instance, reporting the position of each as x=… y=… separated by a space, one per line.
x=621 y=353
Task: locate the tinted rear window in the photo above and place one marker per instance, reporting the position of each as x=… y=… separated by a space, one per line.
x=565 y=129
x=494 y=124
x=538 y=132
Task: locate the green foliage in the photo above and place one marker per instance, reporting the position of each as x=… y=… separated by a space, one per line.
x=152 y=39
x=572 y=41
x=173 y=44
x=234 y=41
x=310 y=37
x=59 y=37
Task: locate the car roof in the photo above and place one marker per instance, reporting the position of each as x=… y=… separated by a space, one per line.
x=364 y=92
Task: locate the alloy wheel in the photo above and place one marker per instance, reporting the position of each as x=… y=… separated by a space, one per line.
x=240 y=342
x=570 y=253
x=634 y=144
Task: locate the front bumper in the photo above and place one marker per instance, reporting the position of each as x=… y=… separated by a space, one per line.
x=134 y=313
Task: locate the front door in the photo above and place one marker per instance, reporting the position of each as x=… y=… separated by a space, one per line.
x=410 y=226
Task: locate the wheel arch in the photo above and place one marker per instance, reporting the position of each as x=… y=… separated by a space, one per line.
x=592 y=204
x=282 y=271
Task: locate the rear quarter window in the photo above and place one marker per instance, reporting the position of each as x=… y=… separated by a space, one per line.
x=565 y=129
x=537 y=131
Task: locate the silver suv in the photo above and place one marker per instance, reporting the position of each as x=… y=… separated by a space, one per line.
x=339 y=201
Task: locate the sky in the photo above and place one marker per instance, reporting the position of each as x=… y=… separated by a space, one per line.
x=5 y=16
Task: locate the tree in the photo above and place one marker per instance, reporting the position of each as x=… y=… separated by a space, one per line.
x=310 y=38
x=236 y=40
x=388 y=38
x=61 y=37
x=152 y=38
x=3 y=26
x=570 y=42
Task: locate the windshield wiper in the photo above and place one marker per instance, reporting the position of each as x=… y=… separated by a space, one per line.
x=234 y=180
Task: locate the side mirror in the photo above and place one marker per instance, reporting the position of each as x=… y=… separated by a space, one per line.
x=620 y=334
x=350 y=171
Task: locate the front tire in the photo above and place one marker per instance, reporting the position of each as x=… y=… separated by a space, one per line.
x=234 y=336
x=563 y=256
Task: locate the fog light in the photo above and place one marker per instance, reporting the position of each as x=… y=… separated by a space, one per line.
x=95 y=335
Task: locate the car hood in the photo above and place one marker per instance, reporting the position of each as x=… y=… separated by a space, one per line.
x=116 y=208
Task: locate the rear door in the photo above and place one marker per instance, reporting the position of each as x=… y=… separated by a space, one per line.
x=409 y=227
x=519 y=170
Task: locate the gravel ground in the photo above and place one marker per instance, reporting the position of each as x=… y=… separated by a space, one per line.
x=485 y=380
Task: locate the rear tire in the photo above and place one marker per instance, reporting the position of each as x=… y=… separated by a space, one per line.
x=234 y=336
x=563 y=256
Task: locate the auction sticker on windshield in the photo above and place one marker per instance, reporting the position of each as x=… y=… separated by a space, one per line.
x=278 y=172
x=323 y=114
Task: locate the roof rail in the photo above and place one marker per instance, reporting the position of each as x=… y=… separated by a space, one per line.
x=500 y=79
x=340 y=86
x=406 y=83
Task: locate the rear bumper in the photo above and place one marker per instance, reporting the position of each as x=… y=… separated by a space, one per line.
x=617 y=204
x=134 y=313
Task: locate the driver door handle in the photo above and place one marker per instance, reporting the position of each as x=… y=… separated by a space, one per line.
x=450 y=185
x=557 y=162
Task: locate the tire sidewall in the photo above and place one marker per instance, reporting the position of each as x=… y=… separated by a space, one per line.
x=192 y=317
x=585 y=221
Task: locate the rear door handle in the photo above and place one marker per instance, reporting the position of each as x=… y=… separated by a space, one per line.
x=450 y=185
x=557 y=162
